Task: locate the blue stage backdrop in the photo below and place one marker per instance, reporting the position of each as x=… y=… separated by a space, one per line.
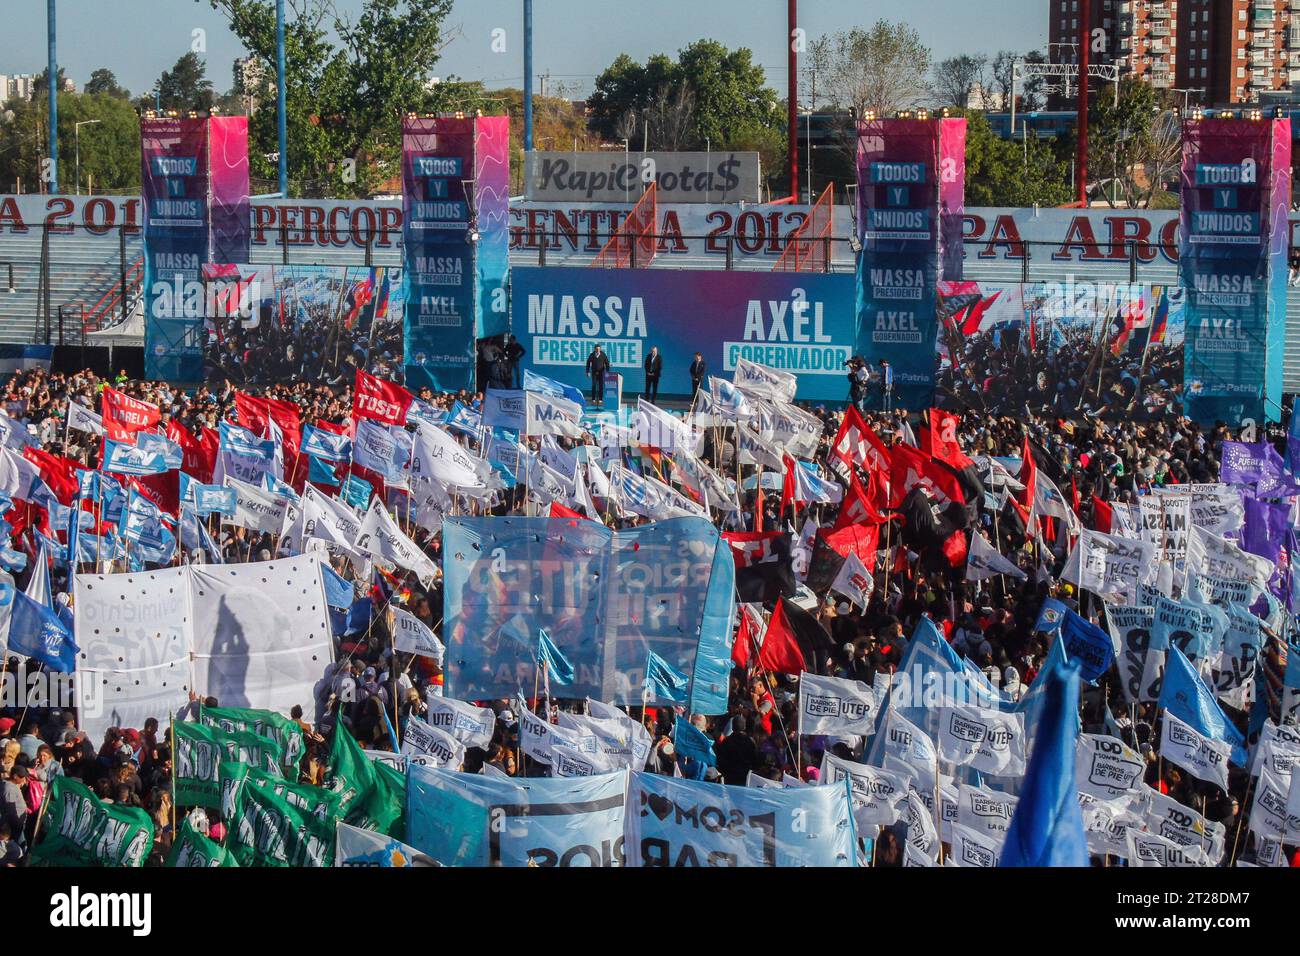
x=801 y=322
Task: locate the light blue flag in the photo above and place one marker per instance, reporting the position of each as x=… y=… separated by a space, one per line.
x=422 y=411
x=35 y=631
x=464 y=420
x=692 y=743
x=194 y=537
x=464 y=819
x=1047 y=826
x=549 y=386
x=53 y=546
x=665 y=682
x=357 y=492
x=214 y=498
x=92 y=548
x=1185 y=695
x=38 y=587
x=280 y=487
x=11 y=560
x=123 y=459
x=1086 y=645
x=321 y=472
x=558 y=667
x=338 y=592
x=759 y=827
x=157 y=545
x=237 y=440
x=151 y=443
x=327 y=445
x=378 y=449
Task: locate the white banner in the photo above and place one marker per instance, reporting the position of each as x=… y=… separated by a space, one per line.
x=760 y=381
x=357 y=847
x=984 y=561
x=1108 y=565
x=83 y=419
x=1107 y=768
x=256 y=508
x=551 y=415
x=412 y=636
x=834 y=705
x=1202 y=757
x=437 y=456
x=380 y=536
x=419 y=737
x=472 y=726
x=988 y=740
x=1151 y=849
x=985 y=811
x=973 y=848
x=877 y=794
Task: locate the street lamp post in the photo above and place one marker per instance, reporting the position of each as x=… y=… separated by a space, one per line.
x=76 y=137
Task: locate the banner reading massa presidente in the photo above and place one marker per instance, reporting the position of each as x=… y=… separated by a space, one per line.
x=194 y=183
x=803 y=323
x=904 y=171
x=1235 y=194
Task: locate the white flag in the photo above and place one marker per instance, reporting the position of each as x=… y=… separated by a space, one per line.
x=608 y=738
x=1151 y=849
x=902 y=739
x=663 y=430
x=422 y=738
x=256 y=508
x=919 y=817
x=973 y=848
x=984 y=810
x=854 y=581
x=639 y=735
x=436 y=455
x=1172 y=820
x=762 y=783
x=412 y=636
x=1107 y=768
x=984 y=561
x=1109 y=565
x=755 y=451
x=472 y=726
x=83 y=419
x=764 y=382
x=330 y=520
x=537 y=736
x=834 y=705
x=1270 y=814
x=568 y=762
x=988 y=740
x=551 y=415
x=380 y=536
x=877 y=793
x=1202 y=757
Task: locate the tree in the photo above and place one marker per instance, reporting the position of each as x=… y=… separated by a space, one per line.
x=1002 y=79
x=956 y=78
x=110 y=148
x=1134 y=147
x=349 y=83
x=1002 y=172
x=185 y=86
x=883 y=69
x=104 y=82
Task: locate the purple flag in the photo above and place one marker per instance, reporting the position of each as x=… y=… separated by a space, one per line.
x=1266 y=533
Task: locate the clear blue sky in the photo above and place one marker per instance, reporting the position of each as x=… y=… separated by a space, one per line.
x=574 y=39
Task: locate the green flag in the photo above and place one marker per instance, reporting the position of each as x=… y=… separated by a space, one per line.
x=276 y=823
x=268 y=723
x=372 y=794
x=192 y=848
x=79 y=830
x=199 y=752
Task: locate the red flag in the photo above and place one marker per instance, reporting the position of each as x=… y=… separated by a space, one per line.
x=789 y=486
x=780 y=652
x=749 y=548
x=759 y=504
x=1074 y=495
x=251 y=412
x=1103 y=515
x=743 y=645
x=123 y=415
x=857 y=445
x=954 y=548
x=940 y=439
x=163 y=490
x=59 y=473
x=857 y=507
x=911 y=467
x=1028 y=478
x=380 y=400
x=559 y=511
x=861 y=539
x=198 y=457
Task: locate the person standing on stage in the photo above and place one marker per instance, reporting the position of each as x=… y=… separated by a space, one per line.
x=698 y=370
x=654 y=366
x=597 y=366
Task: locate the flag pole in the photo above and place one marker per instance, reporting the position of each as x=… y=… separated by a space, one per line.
x=1241 y=816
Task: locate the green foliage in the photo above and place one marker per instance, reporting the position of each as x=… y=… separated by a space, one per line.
x=1011 y=173
x=185 y=86
x=110 y=148
x=104 y=81
x=350 y=82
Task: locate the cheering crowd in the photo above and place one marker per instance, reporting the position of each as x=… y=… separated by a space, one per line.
x=921 y=543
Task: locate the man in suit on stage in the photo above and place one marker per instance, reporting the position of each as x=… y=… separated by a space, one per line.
x=698 y=370
x=654 y=366
x=597 y=366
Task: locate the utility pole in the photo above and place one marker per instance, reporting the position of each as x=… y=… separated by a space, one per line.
x=52 y=94
x=281 y=119
x=1085 y=44
x=528 y=76
x=792 y=96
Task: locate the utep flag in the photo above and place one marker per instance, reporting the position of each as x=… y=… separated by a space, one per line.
x=793 y=826
x=1086 y=644
x=1047 y=826
x=834 y=705
x=1185 y=695
x=463 y=819
x=33 y=630
x=663 y=682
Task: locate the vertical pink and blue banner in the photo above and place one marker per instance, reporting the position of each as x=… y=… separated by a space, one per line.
x=492 y=204
x=911 y=189
x=1235 y=190
x=195 y=211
